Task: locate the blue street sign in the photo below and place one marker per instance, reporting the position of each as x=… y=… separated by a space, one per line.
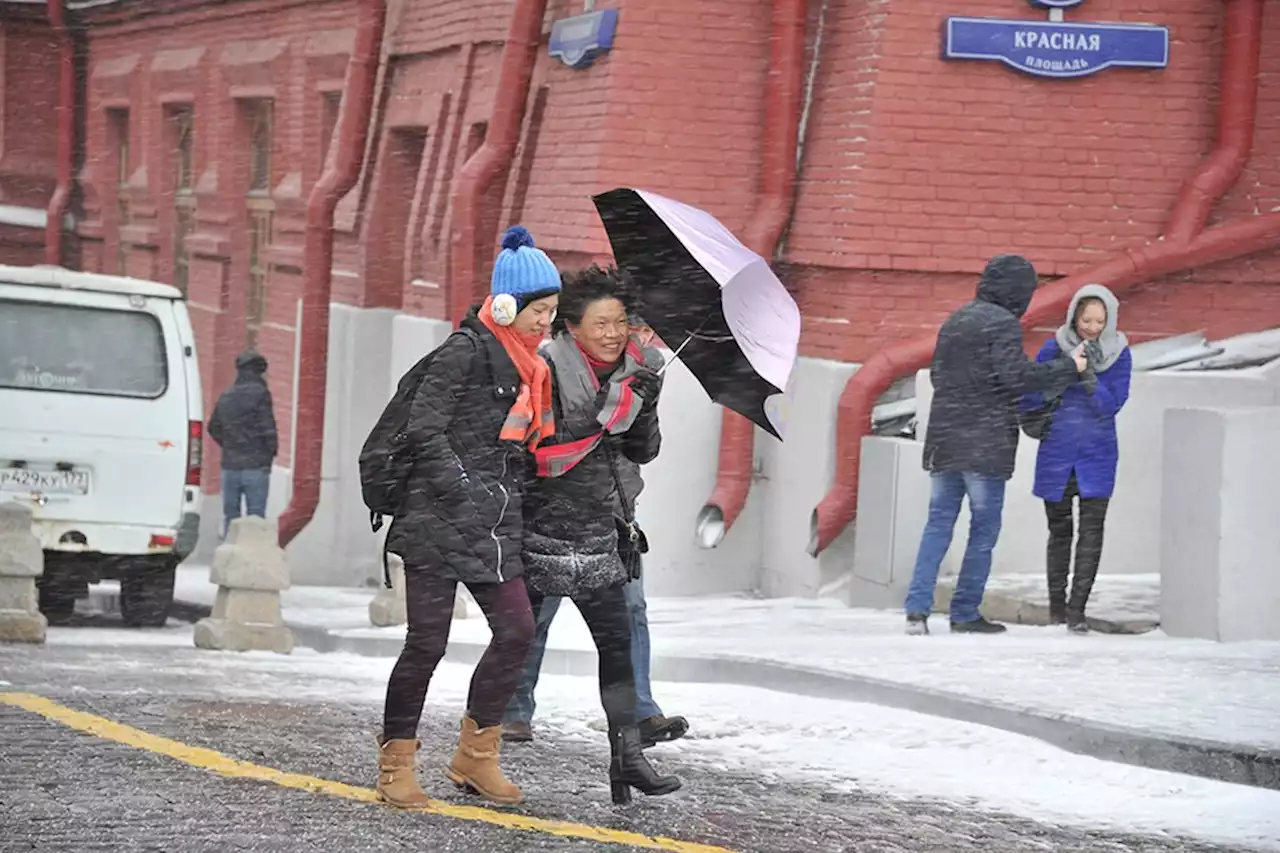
x=1047 y=49
x=578 y=40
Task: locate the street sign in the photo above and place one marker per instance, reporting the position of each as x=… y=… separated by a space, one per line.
x=1055 y=49
x=578 y=40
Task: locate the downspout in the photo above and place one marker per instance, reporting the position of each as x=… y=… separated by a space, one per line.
x=340 y=176
x=783 y=104
x=60 y=201
x=493 y=158
x=1182 y=246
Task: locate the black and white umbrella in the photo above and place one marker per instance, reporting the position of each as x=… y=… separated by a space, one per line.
x=730 y=319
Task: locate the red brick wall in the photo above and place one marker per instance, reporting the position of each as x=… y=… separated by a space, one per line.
x=914 y=166
x=915 y=170
x=28 y=130
x=208 y=56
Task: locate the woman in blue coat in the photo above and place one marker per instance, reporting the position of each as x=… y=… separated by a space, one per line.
x=1079 y=453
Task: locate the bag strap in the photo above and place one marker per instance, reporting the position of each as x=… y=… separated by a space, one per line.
x=628 y=509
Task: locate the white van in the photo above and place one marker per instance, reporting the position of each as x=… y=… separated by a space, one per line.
x=100 y=432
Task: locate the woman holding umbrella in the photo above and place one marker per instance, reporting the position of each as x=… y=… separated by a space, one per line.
x=580 y=536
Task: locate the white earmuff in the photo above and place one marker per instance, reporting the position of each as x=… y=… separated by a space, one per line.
x=504 y=309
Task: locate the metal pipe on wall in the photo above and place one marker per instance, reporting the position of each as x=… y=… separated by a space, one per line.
x=60 y=201
x=494 y=157
x=783 y=104
x=338 y=179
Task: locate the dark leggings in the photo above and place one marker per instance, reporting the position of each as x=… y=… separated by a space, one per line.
x=1093 y=517
x=429 y=598
x=605 y=612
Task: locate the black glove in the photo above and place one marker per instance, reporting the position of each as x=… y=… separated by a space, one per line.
x=648 y=385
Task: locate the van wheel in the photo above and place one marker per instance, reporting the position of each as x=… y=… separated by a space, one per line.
x=146 y=594
x=57 y=603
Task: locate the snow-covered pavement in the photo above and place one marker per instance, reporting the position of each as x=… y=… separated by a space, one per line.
x=1221 y=692
x=839 y=746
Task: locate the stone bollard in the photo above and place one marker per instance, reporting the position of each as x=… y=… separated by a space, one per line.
x=250 y=569
x=21 y=562
x=387 y=608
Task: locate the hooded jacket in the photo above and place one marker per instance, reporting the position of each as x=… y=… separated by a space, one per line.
x=463 y=514
x=243 y=421
x=979 y=371
x=1082 y=434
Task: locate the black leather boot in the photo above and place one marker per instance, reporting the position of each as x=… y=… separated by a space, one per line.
x=1058 y=557
x=629 y=769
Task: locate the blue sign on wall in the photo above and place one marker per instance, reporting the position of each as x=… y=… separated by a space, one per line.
x=1049 y=49
x=578 y=40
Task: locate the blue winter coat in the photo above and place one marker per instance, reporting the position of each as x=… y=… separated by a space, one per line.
x=1082 y=434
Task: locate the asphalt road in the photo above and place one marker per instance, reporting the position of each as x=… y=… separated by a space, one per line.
x=65 y=789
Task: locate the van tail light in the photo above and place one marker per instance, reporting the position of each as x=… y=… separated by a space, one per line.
x=160 y=541
x=195 y=451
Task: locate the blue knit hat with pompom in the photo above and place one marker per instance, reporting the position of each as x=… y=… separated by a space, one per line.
x=523 y=270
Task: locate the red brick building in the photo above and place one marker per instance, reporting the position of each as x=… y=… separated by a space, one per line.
x=204 y=126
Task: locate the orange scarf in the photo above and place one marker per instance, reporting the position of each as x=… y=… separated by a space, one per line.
x=530 y=419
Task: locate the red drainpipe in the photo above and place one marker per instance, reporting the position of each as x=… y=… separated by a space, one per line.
x=1182 y=246
x=338 y=180
x=61 y=198
x=783 y=103
x=519 y=55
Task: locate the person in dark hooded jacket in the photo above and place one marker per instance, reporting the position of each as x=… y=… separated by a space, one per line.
x=979 y=371
x=244 y=425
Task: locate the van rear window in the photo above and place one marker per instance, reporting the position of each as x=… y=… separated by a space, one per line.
x=73 y=349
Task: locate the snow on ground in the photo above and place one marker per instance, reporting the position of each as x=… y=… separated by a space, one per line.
x=1150 y=682
x=843 y=744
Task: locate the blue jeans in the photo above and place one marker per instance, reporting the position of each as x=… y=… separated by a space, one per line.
x=522 y=705
x=252 y=484
x=986 y=506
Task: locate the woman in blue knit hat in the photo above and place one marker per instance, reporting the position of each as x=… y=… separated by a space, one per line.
x=484 y=404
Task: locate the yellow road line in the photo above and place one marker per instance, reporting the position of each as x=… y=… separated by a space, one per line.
x=208 y=759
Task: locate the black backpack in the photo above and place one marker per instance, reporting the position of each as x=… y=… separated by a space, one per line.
x=386 y=459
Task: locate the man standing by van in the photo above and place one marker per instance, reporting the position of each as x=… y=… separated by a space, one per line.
x=244 y=425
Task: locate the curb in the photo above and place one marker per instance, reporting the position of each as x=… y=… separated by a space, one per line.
x=1218 y=760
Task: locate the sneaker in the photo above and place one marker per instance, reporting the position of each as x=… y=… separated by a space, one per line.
x=517 y=732
x=917 y=624
x=1077 y=625
x=977 y=626
x=660 y=729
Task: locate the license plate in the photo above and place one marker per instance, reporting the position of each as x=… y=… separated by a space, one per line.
x=28 y=480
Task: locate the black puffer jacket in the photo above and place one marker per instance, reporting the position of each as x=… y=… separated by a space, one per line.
x=571 y=537
x=243 y=422
x=463 y=513
x=979 y=370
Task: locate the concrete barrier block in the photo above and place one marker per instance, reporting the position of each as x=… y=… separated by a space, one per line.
x=20 y=552
x=463 y=604
x=224 y=635
x=250 y=569
x=388 y=608
x=251 y=558
x=1219 y=540
x=21 y=562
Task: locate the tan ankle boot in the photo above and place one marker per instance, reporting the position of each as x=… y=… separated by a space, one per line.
x=475 y=764
x=397 y=776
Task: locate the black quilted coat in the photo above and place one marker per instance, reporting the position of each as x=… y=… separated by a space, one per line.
x=571 y=538
x=464 y=512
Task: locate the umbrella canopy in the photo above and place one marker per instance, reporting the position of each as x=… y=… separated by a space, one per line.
x=717 y=302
